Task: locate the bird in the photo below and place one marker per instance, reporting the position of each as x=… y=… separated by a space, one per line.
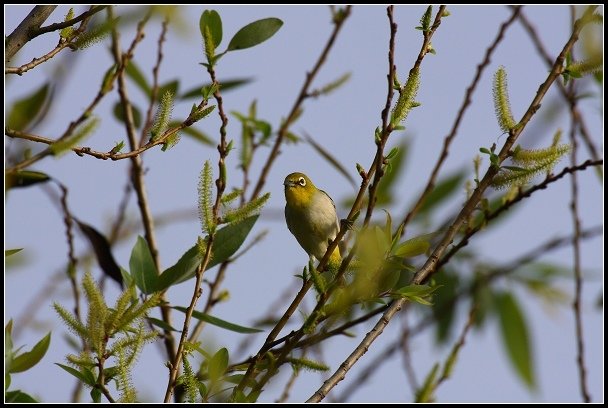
x=311 y=217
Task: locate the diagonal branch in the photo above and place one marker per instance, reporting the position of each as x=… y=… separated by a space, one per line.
x=25 y=31
x=297 y=106
x=430 y=265
x=447 y=141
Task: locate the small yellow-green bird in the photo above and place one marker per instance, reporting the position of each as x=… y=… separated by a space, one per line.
x=311 y=217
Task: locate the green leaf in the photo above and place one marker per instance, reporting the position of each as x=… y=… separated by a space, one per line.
x=331 y=159
x=142 y=267
x=18 y=397
x=162 y=324
x=425 y=393
x=396 y=162
x=184 y=268
x=193 y=133
x=120 y=115
x=227 y=241
x=85 y=376
x=211 y=19
x=416 y=293
x=444 y=308
x=443 y=190
x=9 y=252
x=171 y=86
x=95 y=395
x=218 y=364
x=102 y=250
x=254 y=33
x=26 y=110
x=27 y=360
x=219 y=322
x=515 y=337
x=412 y=247
x=225 y=85
x=133 y=72
x=24 y=178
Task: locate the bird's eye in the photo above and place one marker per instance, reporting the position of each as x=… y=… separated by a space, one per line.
x=301 y=181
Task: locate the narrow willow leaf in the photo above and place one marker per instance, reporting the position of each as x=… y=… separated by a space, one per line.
x=102 y=250
x=24 y=178
x=133 y=72
x=443 y=190
x=194 y=133
x=219 y=322
x=516 y=338
x=83 y=131
x=119 y=114
x=9 y=252
x=88 y=380
x=331 y=159
x=171 y=87
x=142 y=267
x=227 y=241
x=218 y=364
x=27 y=360
x=425 y=393
x=502 y=105
x=254 y=33
x=254 y=206
x=225 y=85
x=18 y=397
x=162 y=324
x=26 y=110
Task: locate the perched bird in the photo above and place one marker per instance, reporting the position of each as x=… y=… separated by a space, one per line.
x=311 y=217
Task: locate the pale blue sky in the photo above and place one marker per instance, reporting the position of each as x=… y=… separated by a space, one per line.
x=344 y=123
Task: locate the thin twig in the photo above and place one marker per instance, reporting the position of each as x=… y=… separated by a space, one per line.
x=64 y=24
x=297 y=106
x=137 y=171
x=220 y=184
x=62 y=44
x=37 y=61
x=544 y=54
x=154 y=90
x=430 y=265
x=468 y=97
x=407 y=358
x=25 y=30
x=504 y=207
x=576 y=248
x=176 y=361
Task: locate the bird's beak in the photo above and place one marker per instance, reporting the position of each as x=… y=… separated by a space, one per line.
x=288 y=183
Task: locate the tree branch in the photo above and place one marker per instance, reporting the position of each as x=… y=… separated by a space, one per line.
x=297 y=106
x=447 y=141
x=430 y=266
x=25 y=31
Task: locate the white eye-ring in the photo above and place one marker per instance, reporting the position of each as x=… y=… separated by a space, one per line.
x=301 y=181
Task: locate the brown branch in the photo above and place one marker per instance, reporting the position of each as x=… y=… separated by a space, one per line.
x=431 y=264
x=137 y=172
x=578 y=117
x=377 y=163
x=576 y=248
x=297 y=106
x=504 y=207
x=25 y=30
x=447 y=141
x=37 y=61
x=64 y=24
x=154 y=90
x=62 y=44
x=176 y=361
